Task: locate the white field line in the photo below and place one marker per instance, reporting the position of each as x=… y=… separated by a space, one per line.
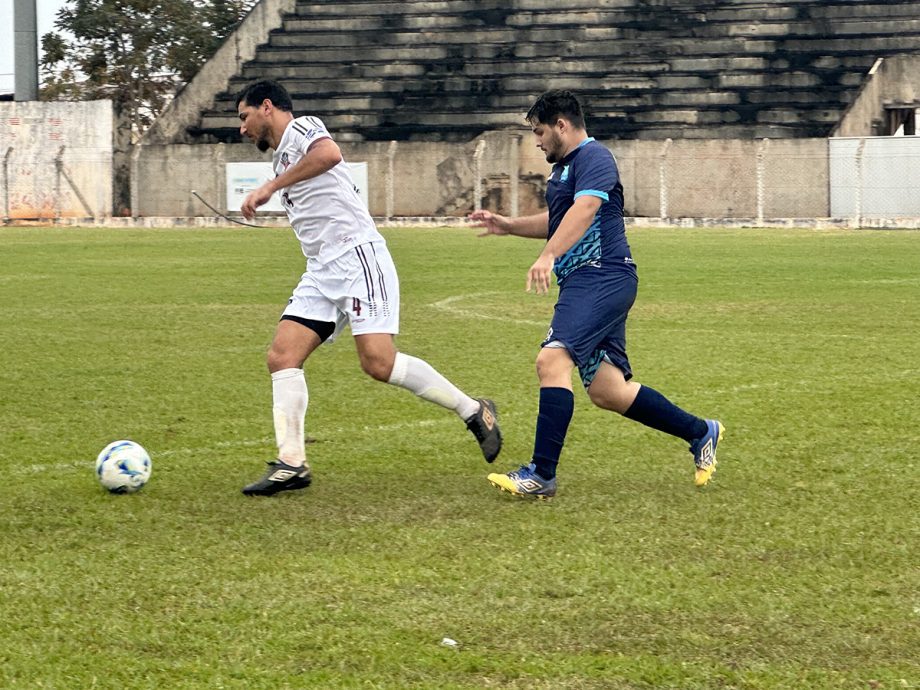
x=807 y=384
x=444 y=420
x=449 y=305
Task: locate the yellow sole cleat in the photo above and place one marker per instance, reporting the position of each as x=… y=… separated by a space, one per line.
x=704 y=452
x=524 y=483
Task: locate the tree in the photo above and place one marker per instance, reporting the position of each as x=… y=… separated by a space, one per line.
x=135 y=52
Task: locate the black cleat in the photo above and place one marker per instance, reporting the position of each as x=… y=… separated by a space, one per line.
x=484 y=425
x=279 y=477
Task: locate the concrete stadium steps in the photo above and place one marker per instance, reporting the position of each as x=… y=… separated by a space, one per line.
x=453 y=68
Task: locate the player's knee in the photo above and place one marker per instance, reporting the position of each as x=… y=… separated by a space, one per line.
x=273 y=359
x=278 y=359
x=554 y=365
x=615 y=398
x=605 y=398
x=377 y=367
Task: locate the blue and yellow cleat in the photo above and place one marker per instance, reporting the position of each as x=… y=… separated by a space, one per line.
x=525 y=482
x=704 y=452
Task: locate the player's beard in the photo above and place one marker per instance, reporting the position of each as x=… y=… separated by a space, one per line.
x=554 y=150
x=262 y=142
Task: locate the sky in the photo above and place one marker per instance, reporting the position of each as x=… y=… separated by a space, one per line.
x=45 y=13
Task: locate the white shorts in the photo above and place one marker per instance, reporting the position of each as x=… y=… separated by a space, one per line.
x=359 y=288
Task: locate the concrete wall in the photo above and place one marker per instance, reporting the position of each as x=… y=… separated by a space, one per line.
x=775 y=178
x=685 y=178
x=164 y=177
x=56 y=159
x=892 y=81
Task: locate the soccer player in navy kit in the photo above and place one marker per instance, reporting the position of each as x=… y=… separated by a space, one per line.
x=587 y=249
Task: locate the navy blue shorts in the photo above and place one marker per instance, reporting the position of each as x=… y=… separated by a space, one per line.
x=590 y=317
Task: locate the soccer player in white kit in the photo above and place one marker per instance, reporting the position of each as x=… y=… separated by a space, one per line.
x=350 y=280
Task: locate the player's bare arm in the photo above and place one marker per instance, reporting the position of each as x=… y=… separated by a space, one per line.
x=322 y=155
x=536 y=226
x=574 y=225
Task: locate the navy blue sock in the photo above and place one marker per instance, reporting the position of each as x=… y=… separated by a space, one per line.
x=653 y=409
x=556 y=408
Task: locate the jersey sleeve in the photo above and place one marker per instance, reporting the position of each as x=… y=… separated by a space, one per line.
x=596 y=173
x=307 y=130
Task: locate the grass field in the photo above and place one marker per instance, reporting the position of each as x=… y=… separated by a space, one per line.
x=799 y=567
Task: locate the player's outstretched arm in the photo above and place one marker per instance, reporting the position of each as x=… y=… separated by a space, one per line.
x=536 y=226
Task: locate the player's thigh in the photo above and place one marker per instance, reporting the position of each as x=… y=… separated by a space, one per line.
x=292 y=344
x=310 y=301
x=592 y=304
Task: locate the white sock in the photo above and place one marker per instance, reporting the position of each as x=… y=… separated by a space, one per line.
x=422 y=379
x=290 y=397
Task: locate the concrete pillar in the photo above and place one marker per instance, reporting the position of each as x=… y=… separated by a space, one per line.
x=26 y=50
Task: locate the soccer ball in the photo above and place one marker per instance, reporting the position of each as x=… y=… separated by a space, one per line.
x=123 y=467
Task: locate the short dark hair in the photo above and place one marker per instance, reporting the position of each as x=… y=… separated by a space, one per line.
x=555 y=104
x=258 y=91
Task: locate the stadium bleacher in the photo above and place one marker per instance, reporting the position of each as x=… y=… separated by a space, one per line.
x=452 y=69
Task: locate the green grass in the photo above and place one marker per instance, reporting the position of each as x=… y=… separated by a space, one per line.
x=797 y=568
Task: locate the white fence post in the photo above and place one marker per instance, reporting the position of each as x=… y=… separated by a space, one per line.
x=514 y=166
x=58 y=169
x=663 y=179
x=6 y=184
x=391 y=177
x=134 y=181
x=477 y=171
x=857 y=199
x=761 y=174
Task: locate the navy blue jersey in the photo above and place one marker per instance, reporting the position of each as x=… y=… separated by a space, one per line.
x=589 y=170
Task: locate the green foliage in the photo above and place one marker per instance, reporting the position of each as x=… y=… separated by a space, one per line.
x=135 y=52
x=796 y=568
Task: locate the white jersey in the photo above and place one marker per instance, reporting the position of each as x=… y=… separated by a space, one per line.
x=325 y=211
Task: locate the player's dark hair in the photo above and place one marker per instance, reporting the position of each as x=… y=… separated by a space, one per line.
x=555 y=104
x=258 y=91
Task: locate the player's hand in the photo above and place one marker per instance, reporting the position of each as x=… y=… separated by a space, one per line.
x=254 y=199
x=539 y=276
x=492 y=222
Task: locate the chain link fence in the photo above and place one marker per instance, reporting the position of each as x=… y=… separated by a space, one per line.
x=57 y=163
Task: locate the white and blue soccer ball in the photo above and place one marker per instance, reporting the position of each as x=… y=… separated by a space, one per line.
x=123 y=467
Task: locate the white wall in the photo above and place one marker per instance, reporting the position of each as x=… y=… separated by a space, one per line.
x=56 y=159
x=875 y=177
